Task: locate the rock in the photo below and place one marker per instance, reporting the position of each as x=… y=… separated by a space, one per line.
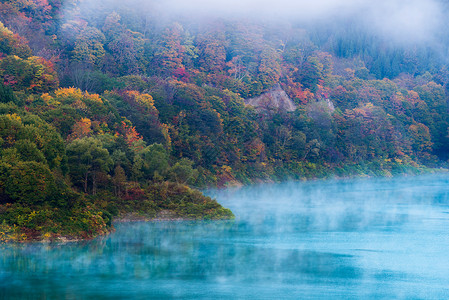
x=274 y=99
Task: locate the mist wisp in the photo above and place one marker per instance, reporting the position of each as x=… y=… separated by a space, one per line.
x=406 y=22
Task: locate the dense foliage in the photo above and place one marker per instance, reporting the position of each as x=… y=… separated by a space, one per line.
x=106 y=110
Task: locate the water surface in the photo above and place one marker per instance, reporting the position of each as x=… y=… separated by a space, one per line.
x=370 y=238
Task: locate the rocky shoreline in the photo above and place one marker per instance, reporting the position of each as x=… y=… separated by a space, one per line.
x=163 y=215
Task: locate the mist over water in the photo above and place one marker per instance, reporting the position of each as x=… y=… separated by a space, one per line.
x=376 y=238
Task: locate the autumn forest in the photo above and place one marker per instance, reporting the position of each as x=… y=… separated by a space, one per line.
x=109 y=110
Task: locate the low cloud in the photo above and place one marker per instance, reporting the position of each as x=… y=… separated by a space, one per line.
x=403 y=20
x=398 y=20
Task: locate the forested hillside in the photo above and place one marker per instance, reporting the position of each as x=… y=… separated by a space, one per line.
x=109 y=109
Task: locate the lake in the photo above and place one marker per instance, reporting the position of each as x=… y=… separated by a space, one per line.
x=357 y=238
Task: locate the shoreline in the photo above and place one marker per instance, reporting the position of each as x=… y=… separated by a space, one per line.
x=163 y=215
x=330 y=176
x=170 y=216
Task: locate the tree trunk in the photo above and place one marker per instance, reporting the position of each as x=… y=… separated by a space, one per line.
x=85 y=182
x=94 y=183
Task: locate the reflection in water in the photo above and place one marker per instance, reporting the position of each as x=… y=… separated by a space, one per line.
x=340 y=239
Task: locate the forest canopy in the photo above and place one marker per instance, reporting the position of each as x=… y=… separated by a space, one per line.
x=109 y=108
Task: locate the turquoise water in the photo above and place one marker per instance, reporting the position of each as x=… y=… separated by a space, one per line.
x=373 y=238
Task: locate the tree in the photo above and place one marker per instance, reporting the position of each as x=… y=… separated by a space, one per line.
x=47 y=139
x=169 y=56
x=421 y=139
x=269 y=68
x=155 y=160
x=28 y=182
x=119 y=180
x=34 y=74
x=89 y=47
x=87 y=158
x=28 y=151
x=32 y=130
x=126 y=48
x=211 y=52
x=6 y=94
x=81 y=129
x=183 y=172
x=127 y=51
x=5 y=170
x=311 y=73
x=13 y=44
